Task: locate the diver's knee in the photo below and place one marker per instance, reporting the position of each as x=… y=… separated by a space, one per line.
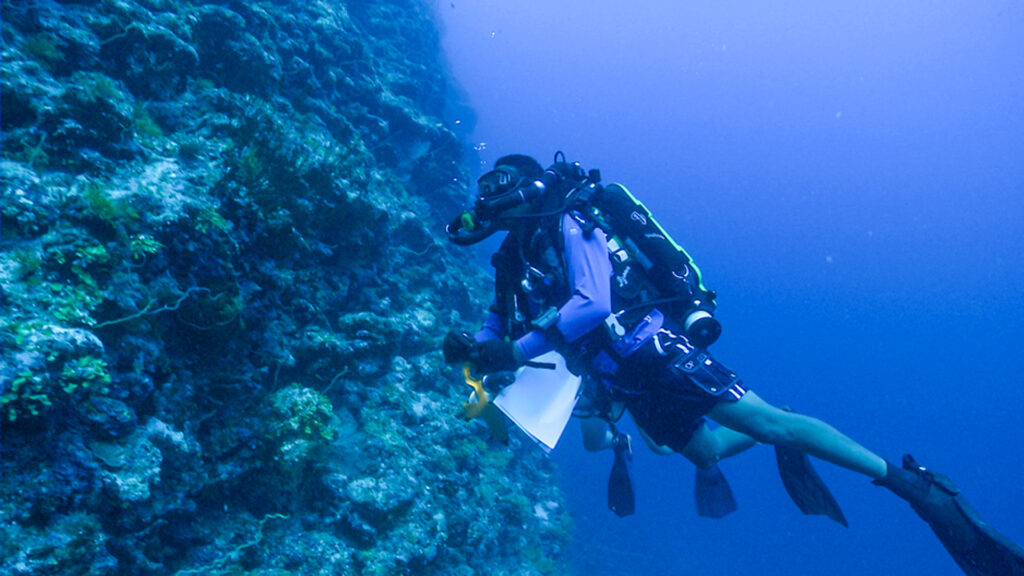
x=703 y=450
x=702 y=459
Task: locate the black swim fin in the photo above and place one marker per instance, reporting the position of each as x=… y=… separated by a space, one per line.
x=621 y=499
x=712 y=493
x=978 y=548
x=807 y=490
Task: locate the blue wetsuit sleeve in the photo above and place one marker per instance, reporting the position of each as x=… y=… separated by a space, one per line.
x=589 y=273
x=493 y=328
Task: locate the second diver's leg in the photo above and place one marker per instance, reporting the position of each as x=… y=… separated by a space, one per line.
x=753 y=416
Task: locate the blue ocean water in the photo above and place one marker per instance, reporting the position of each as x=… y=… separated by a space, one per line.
x=850 y=179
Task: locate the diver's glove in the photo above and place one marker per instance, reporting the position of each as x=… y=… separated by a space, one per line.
x=492 y=356
x=458 y=347
x=487 y=357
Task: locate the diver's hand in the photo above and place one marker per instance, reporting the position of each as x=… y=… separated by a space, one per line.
x=458 y=347
x=487 y=357
x=492 y=356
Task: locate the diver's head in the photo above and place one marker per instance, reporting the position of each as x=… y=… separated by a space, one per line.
x=509 y=189
x=505 y=193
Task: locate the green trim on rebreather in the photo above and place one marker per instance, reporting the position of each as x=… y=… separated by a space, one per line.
x=700 y=278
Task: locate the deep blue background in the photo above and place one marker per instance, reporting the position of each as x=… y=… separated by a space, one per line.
x=850 y=179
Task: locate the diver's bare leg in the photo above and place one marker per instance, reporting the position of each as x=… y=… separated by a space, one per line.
x=708 y=446
x=705 y=448
x=753 y=416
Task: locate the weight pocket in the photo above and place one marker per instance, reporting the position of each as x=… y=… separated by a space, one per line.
x=705 y=372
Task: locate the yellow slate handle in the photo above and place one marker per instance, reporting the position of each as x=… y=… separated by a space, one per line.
x=474 y=409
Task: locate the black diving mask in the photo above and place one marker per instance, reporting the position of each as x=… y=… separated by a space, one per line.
x=499 y=191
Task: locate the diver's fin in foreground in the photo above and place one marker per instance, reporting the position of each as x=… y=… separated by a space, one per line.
x=621 y=499
x=804 y=486
x=979 y=549
x=712 y=494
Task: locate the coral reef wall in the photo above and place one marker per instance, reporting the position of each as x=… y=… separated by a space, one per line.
x=223 y=290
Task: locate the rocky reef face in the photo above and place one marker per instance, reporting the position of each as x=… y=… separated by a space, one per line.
x=223 y=291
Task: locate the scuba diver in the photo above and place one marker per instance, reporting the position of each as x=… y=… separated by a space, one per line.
x=586 y=271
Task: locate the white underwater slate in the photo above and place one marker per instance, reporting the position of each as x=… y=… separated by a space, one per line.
x=541 y=400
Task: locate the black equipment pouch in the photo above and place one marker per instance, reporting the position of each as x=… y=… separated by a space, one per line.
x=705 y=372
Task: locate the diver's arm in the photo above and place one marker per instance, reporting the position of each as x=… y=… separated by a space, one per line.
x=493 y=328
x=589 y=272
